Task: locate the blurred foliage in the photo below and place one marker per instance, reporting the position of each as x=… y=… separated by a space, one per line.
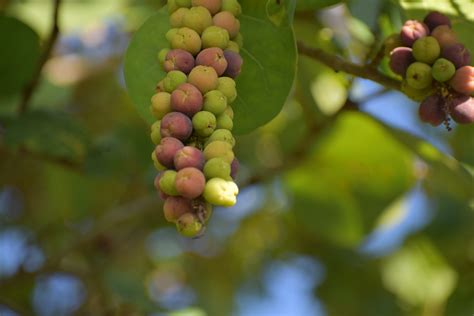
x=81 y=227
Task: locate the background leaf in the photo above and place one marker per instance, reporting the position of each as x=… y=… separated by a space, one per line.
x=18 y=56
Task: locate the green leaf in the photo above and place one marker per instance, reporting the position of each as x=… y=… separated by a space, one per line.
x=263 y=86
x=19 y=55
x=343 y=187
x=303 y=5
x=51 y=133
x=445 y=174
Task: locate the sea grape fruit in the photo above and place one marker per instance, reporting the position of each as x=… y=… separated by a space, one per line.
x=215 y=36
x=204 y=123
x=167 y=149
x=160 y=104
x=400 y=59
x=431 y=110
x=178 y=59
x=227 y=21
x=189 y=156
x=419 y=75
x=458 y=54
x=426 y=50
x=443 y=70
x=413 y=30
x=177 y=125
x=463 y=80
x=215 y=102
x=204 y=78
x=186 y=99
x=234 y=64
x=198 y=19
x=219 y=149
x=217 y=168
x=175 y=206
x=435 y=19
x=462 y=109
x=190 y=182
x=221 y=192
x=212 y=57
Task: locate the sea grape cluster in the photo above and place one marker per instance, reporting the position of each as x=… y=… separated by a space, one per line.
x=194 y=117
x=435 y=68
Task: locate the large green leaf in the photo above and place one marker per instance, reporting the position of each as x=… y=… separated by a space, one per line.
x=355 y=171
x=263 y=86
x=18 y=56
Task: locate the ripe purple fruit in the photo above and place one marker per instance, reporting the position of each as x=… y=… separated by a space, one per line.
x=234 y=63
x=435 y=19
x=177 y=125
x=462 y=109
x=234 y=168
x=175 y=206
x=444 y=35
x=186 y=99
x=431 y=110
x=190 y=182
x=204 y=78
x=458 y=54
x=212 y=57
x=413 y=30
x=179 y=59
x=227 y=21
x=463 y=80
x=166 y=151
x=189 y=156
x=400 y=59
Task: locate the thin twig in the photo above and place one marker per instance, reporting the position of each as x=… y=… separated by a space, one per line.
x=339 y=64
x=33 y=84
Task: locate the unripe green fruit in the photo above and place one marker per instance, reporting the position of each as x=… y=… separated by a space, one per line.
x=198 y=19
x=155 y=134
x=167 y=183
x=162 y=55
x=230 y=112
x=223 y=135
x=233 y=46
x=215 y=102
x=187 y=39
x=219 y=149
x=204 y=78
x=419 y=75
x=416 y=94
x=204 y=123
x=176 y=19
x=172 y=6
x=225 y=122
x=443 y=70
x=226 y=85
x=160 y=104
x=183 y=3
x=156 y=163
x=232 y=6
x=174 y=79
x=171 y=34
x=221 y=192
x=189 y=225
x=215 y=36
x=217 y=168
x=426 y=50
